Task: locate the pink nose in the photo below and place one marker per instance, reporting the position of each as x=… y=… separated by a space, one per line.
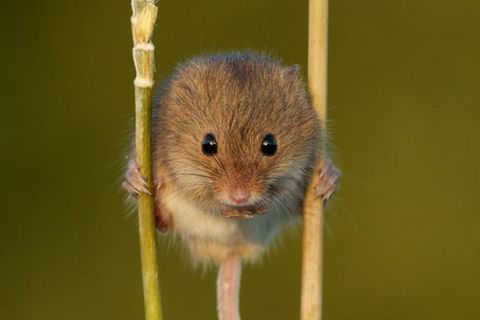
x=240 y=196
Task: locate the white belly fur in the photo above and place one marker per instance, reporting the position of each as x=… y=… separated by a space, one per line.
x=212 y=237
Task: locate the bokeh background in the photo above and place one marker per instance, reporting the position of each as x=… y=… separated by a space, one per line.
x=402 y=236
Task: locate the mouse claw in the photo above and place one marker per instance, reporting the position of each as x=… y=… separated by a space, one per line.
x=157 y=184
x=134 y=182
x=328 y=181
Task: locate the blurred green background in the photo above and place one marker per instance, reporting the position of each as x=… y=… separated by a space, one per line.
x=402 y=235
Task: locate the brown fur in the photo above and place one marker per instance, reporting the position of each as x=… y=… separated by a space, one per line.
x=238 y=97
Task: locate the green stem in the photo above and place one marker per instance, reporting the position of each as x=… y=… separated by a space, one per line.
x=147 y=229
x=143 y=21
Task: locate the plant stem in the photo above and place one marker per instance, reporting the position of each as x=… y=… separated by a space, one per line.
x=311 y=299
x=143 y=22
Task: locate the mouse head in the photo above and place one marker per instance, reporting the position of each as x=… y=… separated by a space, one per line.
x=237 y=132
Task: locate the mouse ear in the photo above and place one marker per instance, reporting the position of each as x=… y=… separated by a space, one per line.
x=294 y=70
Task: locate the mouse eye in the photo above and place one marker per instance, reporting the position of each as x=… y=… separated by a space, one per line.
x=269 y=145
x=209 y=145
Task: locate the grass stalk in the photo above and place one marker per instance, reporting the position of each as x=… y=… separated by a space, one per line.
x=311 y=291
x=143 y=22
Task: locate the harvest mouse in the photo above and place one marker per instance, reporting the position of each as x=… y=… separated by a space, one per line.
x=235 y=140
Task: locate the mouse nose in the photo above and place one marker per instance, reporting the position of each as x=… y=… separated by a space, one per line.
x=240 y=197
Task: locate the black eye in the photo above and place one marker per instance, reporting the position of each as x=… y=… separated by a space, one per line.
x=269 y=145
x=209 y=145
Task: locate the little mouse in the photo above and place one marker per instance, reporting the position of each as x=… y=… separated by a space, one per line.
x=235 y=139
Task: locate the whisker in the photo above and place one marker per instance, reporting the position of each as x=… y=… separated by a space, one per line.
x=219 y=162
x=193 y=174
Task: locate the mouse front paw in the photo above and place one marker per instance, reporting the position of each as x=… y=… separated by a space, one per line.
x=328 y=181
x=134 y=182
